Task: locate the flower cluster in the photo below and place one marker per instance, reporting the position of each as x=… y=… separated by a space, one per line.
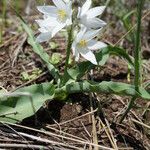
x=60 y=15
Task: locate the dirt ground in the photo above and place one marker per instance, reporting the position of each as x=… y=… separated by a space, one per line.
x=75 y=124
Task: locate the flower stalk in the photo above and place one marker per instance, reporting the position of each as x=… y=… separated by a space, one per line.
x=68 y=50
x=137 y=60
x=2 y=25
x=137 y=52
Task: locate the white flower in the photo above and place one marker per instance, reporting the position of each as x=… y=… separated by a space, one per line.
x=55 y=18
x=88 y=17
x=67 y=1
x=84 y=44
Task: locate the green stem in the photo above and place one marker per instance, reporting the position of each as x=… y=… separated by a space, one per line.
x=4 y=12
x=138 y=46
x=137 y=55
x=17 y=5
x=1 y=33
x=68 y=48
x=128 y=108
x=3 y=19
x=68 y=51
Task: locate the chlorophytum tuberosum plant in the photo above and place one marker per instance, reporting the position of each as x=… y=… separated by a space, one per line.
x=82 y=25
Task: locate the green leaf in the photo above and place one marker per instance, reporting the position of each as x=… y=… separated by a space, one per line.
x=24 y=102
x=53 y=45
x=56 y=58
x=38 y=49
x=104 y=87
x=80 y=69
x=126 y=19
x=102 y=56
x=25 y=76
x=77 y=71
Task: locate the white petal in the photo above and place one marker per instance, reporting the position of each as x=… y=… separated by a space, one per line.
x=69 y=13
x=59 y=4
x=90 y=34
x=77 y=55
x=75 y=51
x=46 y=29
x=58 y=28
x=42 y=29
x=50 y=21
x=66 y=1
x=94 y=45
x=69 y=9
x=79 y=12
x=44 y=37
x=94 y=12
x=73 y=47
x=88 y=54
x=94 y=23
x=48 y=10
x=69 y=22
x=39 y=22
x=80 y=34
x=85 y=7
x=45 y=16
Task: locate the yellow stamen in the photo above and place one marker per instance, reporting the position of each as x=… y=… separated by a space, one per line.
x=62 y=14
x=82 y=43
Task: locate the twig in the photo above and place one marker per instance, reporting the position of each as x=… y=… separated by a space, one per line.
x=94 y=131
x=76 y=118
x=23 y=146
x=52 y=134
x=64 y=133
x=15 y=141
x=8 y=126
x=9 y=40
x=107 y=133
x=86 y=130
x=111 y=134
x=141 y=123
x=3 y=64
x=46 y=140
x=145 y=110
x=19 y=48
